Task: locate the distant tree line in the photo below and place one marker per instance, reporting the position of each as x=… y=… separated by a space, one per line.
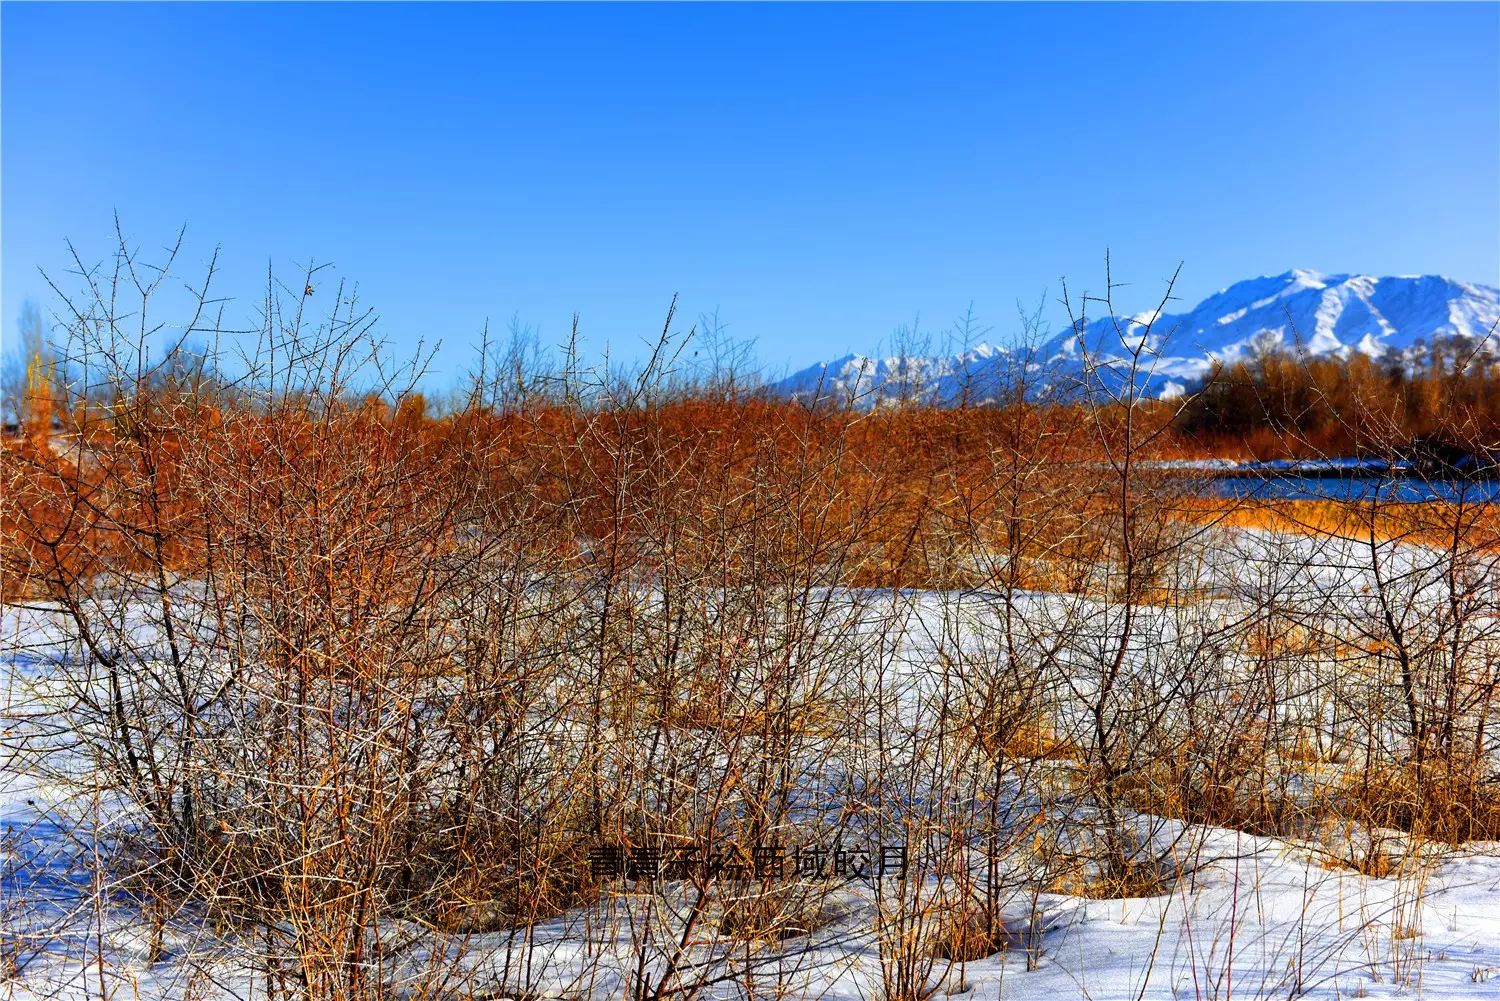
x=1436 y=400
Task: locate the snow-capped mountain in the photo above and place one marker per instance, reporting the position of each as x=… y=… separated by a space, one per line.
x=1316 y=313
x=970 y=375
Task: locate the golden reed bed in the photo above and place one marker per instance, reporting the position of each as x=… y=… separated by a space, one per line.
x=1428 y=523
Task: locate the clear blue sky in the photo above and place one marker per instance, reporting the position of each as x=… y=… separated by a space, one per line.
x=818 y=174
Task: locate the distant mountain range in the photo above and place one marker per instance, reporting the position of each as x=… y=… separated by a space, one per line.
x=1320 y=314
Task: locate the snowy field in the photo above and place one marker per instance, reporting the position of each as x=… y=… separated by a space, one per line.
x=1241 y=916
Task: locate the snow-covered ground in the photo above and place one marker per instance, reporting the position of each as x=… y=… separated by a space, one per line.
x=1245 y=916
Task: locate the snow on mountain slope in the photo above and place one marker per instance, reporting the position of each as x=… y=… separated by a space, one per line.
x=1317 y=313
x=972 y=375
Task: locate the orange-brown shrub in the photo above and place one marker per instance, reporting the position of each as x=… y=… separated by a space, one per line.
x=897 y=498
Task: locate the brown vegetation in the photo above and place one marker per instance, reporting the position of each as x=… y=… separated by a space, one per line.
x=375 y=680
x=1290 y=405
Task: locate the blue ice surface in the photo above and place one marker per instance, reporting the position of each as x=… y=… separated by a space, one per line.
x=1398 y=489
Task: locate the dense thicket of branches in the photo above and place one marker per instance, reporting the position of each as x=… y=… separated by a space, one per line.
x=894 y=491
x=365 y=682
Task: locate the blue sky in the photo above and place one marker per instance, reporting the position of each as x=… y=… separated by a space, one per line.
x=819 y=175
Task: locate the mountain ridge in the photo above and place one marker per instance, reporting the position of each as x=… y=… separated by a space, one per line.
x=1322 y=314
